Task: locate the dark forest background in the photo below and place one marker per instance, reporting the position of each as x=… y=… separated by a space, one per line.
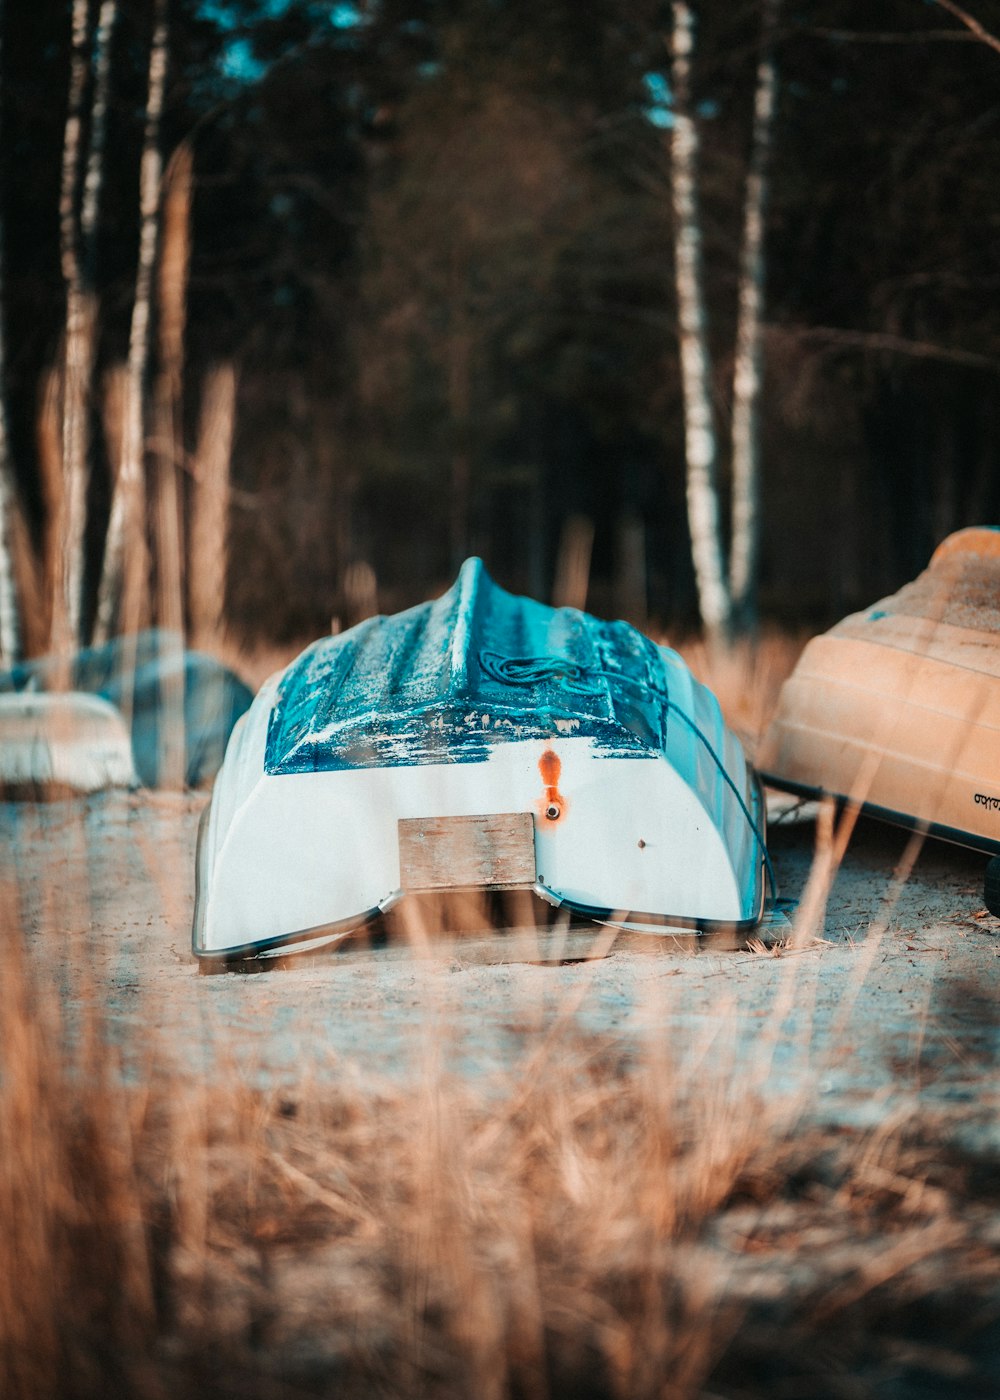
x=435 y=241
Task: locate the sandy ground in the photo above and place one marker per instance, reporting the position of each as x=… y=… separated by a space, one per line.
x=898 y=1007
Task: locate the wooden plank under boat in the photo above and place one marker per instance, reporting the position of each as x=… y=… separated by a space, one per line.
x=479 y=741
x=898 y=708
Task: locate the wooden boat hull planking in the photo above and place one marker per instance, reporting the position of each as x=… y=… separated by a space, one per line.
x=905 y=726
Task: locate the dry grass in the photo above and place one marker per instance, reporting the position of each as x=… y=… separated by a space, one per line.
x=746 y=677
x=595 y=1224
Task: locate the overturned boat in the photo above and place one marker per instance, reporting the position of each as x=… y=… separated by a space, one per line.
x=898 y=708
x=479 y=741
x=180 y=704
x=61 y=744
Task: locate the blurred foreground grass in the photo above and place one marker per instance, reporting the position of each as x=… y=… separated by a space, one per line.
x=594 y=1223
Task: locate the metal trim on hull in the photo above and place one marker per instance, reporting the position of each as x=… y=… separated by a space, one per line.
x=264 y=948
x=907 y=822
x=615 y=918
x=328 y=934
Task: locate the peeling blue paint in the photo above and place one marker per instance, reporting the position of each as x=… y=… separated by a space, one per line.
x=447 y=681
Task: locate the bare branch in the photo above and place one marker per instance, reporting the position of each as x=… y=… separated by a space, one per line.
x=892 y=36
x=971 y=23
x=839 y=337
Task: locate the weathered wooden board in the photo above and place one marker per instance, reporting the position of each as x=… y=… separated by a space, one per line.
x=493 y=852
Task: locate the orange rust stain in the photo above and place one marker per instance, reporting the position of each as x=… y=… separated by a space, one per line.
x=551 y=807
x=550 y=766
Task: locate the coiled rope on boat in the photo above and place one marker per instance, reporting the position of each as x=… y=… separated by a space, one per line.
x=535 y=670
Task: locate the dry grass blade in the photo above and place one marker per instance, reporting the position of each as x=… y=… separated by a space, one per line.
x=572 y=578
x=209 y=520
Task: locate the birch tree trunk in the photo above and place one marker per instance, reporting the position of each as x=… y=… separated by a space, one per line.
x=124 y=575
x=461 y=468
x=10 y=614
x=700 y=441
x=459 y=358
x=747 y=376
x=78 y=247
x=79 y=315
x=169 y=441
x=572 y=579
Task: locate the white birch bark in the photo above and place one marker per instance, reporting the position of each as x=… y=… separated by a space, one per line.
x=747 y=367
x=700 y=441
x=10 y=614
x=78 y=241
x=66 y=607
x=123 y=574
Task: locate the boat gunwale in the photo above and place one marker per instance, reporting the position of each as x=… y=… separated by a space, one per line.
x=264 y=950
x=268 y=949
x=907 y=822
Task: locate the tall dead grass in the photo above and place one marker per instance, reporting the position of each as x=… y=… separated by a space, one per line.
x=601 y=1221
x=746 y=677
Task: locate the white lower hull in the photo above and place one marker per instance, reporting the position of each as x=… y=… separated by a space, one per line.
x=632 y=844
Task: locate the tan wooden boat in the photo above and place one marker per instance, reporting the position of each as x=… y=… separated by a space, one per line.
x=898 y=707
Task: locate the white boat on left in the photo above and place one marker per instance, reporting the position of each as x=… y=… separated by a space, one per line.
x=55 y=743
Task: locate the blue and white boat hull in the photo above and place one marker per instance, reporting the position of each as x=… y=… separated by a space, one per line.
x=480 y=740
